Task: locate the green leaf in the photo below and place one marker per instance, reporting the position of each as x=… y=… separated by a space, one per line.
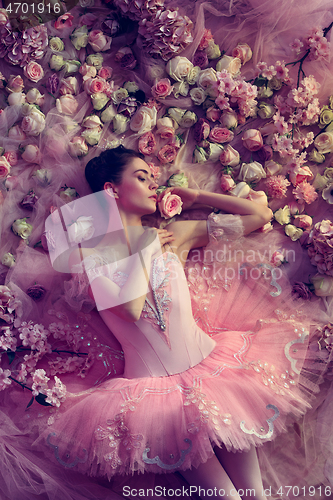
x=41 y=400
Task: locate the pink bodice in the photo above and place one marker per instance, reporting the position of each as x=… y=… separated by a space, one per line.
x=165 y=340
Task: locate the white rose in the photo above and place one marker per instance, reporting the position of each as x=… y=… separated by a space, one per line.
x=34 y=123
x=207 y=78
x=8 y=260
x=143 y=120
x=71 y=66
x=56 y=62
x=78 y=146
x=214 y=151
x=282 y=216
x=16 y=98
x=213 y=50
x=43 y=176
x=131 y=87
x=79 y=37
x=264 y=92
x=56 y=44
x=119 y=95
x=95 y=60
x=266 y=110
x=82 y=229
x=324 y=142
x=193 y=75
x=165 y=122
x=69 y=194
x=199 y=155
x=21 y=228
x=293 y=232
x=108 y=113
x=34 y=96
x=92 y=135
x=198 y=95
x=230 y=64
x=241 y=190
x=251 y=172
x=272 y=168
x=188 y=119
x=229 y=120
x=176 y=114
x=120 y=123
x=31 y=153
x=179 y=68
x=180 y=88
x=99 y=100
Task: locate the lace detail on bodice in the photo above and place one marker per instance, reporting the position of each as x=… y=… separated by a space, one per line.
x=157 y=312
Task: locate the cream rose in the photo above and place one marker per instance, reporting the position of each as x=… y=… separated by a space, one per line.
x=16 y=133
x=119 y=95
x=98 y=41
x=99 y=100
x=79 y=37
x=92 y=135
x=95 y=60
x=242 y=190
x=31 y=153
x=82 y=229
x=189 y=118
x=35 y=97
x=67 y=104
x=243 y=52
x=16 y=98
x=207 y=78
x=33 y=123
x=143 y=120
x=170 y=205
x=198 y=95
x=266 y=110
x=56 y=62
x=272 y=167
x=213 y=50
x=120 y=123
x=108 y=114
x=258 y=197
x=251 y=172
x=230 y=64
x=176 y=114
x=8 y=260
x=78 y=146
x=179 y=68
x=56 y=44
x=293 y=232
x=71 y=66
x=229 y=120
x=282 y=216
x=15 y=84
x=193 y=75
x=21 y=228
x=69 y=85
x=180 y=88
x=315 y=156
x=324 y=142
x=91 y=121
x=323 y=285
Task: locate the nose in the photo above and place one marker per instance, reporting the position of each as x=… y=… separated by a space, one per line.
x=153 y=185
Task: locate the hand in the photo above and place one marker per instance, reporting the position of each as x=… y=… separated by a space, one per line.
x=187 y=195
x=155 y=239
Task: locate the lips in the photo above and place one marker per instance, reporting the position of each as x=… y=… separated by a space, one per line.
x=155 y=197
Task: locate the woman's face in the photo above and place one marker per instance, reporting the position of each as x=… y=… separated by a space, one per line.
x=137 y=191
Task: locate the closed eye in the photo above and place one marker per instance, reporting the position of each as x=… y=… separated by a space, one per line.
x=141 y=178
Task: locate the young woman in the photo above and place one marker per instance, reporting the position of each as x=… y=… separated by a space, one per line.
x=187 y=402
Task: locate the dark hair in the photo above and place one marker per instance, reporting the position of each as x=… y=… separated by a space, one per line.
x=109 y=167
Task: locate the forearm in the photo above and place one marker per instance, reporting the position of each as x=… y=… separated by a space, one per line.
x=230 y=204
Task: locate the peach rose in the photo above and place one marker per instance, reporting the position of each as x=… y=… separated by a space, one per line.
x=243 y=52
x=34 y=122
x=229 y=119
x=94 y=85
x=69 y=85
x=105 y=72
x=67 y=104
x=230 y=64
x=300 y=175
x=213 y=114
x=31 y=153
x=304 y=221
x=4 y=167
x=165 y=127
x=33 y=71
x=98 y=41
x=16 y=98
x=167 y=154
x=170 y=205
x=11 y=157
x=227 y=182
x=15 y=83
x=221 y=135
x=162 y=89
x=78 y=146
x=229 y=157
x=87 y=71
x=64 y=21
x=252 y=139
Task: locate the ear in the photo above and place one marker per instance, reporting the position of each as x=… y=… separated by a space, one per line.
x=111 y=190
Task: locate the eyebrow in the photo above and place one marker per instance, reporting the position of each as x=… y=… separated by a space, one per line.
x=145 y=171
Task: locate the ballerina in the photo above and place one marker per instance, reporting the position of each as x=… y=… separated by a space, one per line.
x=187 y=402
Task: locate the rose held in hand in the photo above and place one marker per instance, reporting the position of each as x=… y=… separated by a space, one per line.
x=170 y=205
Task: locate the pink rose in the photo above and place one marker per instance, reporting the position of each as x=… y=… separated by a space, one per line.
x=252 y=139
x=143 y=120
x=277 y=258
x=64 y=21
x=303 y=221
x=31 y=153
x=123 y=51
x=33 y=71
x=229 y=119
x=11 y=157
x=213 y=113
x=295 y=208
x=229 y=157
x=16 y=98
x=67 y=104
x=300 y=175
x=268 y=129
x=243 y=52
x=98 y=41
x=34 y=122
x=170 y=205
x=94 y=85
x=69 y=85
x=227 y=182
x=154 y=170
x=221 y=135
x=201 y=130
x=128 y=61
x=16 y=133
x=78 y=146
x=87 y=20
x=266 y=228
x=272 y=168
x=4 y=167
x=105 y=72
x=167 y=154
x=87 y=71
x=162 y=89
x=15 y=84
x=147 y=144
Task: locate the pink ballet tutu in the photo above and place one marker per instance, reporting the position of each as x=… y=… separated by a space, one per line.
x=244 y=393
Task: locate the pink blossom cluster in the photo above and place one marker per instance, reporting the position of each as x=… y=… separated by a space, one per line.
x=320 y=246
x=8 y=341
x=10 y=306
x=235 y=94
x=34 y=336
x=19 y=48
x=315 y=42
x=4 y=379
x=166 y=33
x=279 y=71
